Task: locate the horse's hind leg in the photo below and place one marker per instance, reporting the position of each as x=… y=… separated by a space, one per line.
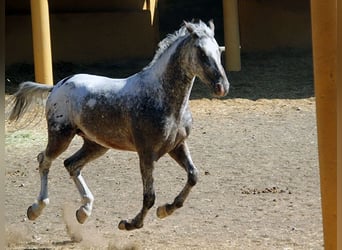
x=182 y=155
x=74 y=164
x=57 y=144
x=36 y=208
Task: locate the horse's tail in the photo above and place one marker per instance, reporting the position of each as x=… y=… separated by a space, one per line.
x=29 y=93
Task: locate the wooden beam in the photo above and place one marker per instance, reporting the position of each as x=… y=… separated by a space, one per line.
x=41 y=41
x=323 y=17
x=231 y=35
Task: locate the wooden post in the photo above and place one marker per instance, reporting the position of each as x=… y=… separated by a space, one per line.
x=339 y=123
x=151 y=6
x=41 y=41
x=231 y=35
x=323 y=17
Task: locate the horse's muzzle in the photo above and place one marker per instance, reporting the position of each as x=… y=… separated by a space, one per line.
x=221 y=88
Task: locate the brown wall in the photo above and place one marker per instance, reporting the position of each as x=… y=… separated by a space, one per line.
x=55 y=6
x=271 y=24
x=84 y=32
x=90 y=31
x=264 y=24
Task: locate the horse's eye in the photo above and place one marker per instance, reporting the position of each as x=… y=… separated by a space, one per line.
x=202 y=54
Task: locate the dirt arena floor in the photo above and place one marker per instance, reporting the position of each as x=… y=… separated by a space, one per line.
x=257 y=155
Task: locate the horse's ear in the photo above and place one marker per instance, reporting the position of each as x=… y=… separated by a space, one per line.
x=222 y=49
x=189 y=26
x=211 y=25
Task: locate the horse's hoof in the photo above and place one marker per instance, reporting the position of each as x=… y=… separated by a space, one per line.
x=82 y=215
x=31 y=215
x=122 y=225
x=36 y=209
x=125 y=225
x=161 y=212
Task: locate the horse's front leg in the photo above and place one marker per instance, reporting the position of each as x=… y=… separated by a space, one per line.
x=146 y=168
x=181 y=154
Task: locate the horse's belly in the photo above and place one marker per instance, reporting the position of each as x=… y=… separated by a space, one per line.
x=117 y=145
x=120 y=141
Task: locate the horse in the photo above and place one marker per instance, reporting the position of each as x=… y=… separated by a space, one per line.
x=147 y=113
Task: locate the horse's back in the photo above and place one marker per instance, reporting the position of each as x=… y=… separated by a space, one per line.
x=92 y=84
x=76 y=89
x=93 y=105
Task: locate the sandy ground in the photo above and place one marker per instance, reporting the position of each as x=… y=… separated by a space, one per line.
x=257 y=156
x=258 y=187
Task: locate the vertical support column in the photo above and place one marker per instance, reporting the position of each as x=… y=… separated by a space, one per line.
x=41 y=41
x=151 y=6
x=3 y=240
x=231 y=35
x=323 y=17
x=339 y=123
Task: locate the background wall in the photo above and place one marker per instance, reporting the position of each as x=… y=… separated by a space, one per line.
x=85 y=31
x=271 y=24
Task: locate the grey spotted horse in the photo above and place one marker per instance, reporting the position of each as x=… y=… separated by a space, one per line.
x=147 y=112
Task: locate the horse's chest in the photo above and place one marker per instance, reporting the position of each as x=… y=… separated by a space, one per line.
x=178 y=128
x=163 y=133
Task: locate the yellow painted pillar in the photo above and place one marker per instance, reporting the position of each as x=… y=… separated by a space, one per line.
x=339 y=123
x=231 y=35
x=41 y=41
x=323 y=17
x=151 y=5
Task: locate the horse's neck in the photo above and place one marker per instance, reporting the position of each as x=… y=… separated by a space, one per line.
x=169 y=73
x=173 y=74
x=176 y=83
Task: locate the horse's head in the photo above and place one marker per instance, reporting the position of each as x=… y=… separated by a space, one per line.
x=205 y=57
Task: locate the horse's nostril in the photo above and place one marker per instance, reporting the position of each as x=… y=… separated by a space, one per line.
x=219 y=89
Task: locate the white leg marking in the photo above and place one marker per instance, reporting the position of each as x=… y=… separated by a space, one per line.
x=36 y=209
x=43 y=186
x=87 y=199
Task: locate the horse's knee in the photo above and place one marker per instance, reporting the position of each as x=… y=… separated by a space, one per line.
x=67 y=165
x=149 y=199
x=192 y=177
